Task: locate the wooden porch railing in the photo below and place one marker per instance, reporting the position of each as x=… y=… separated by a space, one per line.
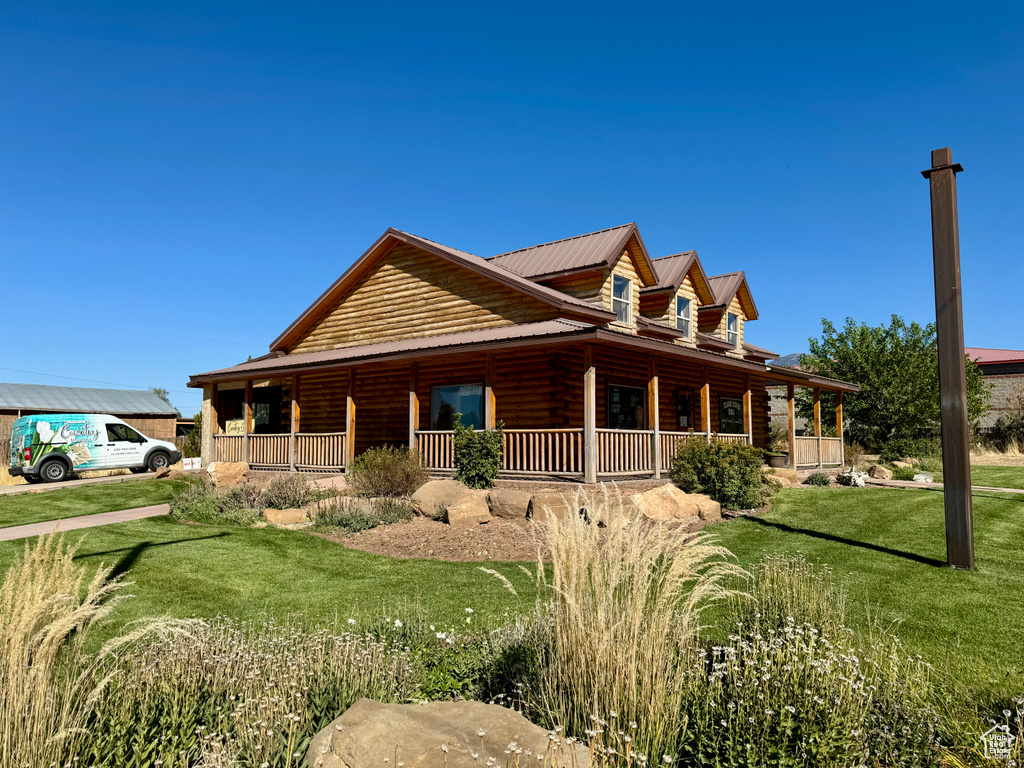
x=324 y=450
x=435 y=448
x=228 y=448
x=270 y=451
x=670 y=442
x=741 y=439
x=543 y=451
x=807 y=451
x=832 y=451
x=625 y=451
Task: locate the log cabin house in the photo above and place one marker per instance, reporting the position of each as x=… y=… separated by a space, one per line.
x=598 y=359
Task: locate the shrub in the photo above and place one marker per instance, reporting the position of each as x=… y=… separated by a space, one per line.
x=290 y=490
x=352 y=515
x=728 y=472
x=386 y=471
x=918 y=447
x=902 y=473
x=201 y=503
x=854 y=455
x=818 y=478
x=477 y=455
x=190 y=449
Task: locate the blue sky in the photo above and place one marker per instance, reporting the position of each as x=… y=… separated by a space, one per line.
x=178 y=181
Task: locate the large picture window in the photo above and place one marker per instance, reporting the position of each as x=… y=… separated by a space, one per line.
x=683 y=315
x=446 y=401
x=730 y=416
x=627 y=407
x=622 y=299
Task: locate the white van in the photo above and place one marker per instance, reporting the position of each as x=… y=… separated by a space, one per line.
x=51 y=446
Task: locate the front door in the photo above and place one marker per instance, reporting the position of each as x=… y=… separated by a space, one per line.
x=124 y=447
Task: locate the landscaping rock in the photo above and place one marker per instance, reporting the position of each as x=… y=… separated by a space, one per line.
x=162 y=473
x=228 y=473
x=284 y=516
x=923 y=477
x=552 y=503
x=369 y=731
x=335 y=482
x=472 y=510
x=509 y=504
x=785 y=474
x=434 y=496
x=902 y=464
x=852 y=477
x=879 y=472
x=911 y=460
x=667 y=502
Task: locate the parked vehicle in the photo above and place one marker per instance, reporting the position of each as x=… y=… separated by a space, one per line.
x=50 y=447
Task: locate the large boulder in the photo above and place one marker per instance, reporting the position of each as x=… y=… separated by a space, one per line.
x=552 y=503
x=911 y=460
x=667 y=502
x=284 y=516
x=471 y=510
x=434 y=496
x=228 y=473
x=438 y=734
x=923 y=477
x=852 y=477
x=902 y=464
x=878 y=472
x=509 y=504
x=789 y=475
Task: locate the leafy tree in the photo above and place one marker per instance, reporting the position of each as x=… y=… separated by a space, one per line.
x=192 y=446
x=164 y=395
x=897 y=368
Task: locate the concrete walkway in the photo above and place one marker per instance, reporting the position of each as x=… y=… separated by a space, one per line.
x=934 y=486
x=10 y=490
x=85 y=521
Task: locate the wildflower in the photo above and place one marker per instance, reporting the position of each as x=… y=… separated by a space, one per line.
x=398 y=623
x=351 y=621
x=469 y=610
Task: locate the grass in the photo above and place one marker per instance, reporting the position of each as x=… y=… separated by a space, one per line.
x=25 y=508
x=887 y=549
x=184 y=570
x=992 y=477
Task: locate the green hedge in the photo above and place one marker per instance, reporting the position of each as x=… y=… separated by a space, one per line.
x=729 y=473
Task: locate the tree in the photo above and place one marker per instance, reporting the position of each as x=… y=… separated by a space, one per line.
x=897 y=368
x=164 y=395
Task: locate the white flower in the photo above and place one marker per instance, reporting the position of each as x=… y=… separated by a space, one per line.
x=469 y=610
x=398 y=623
x=45 y=431
x=351 y=621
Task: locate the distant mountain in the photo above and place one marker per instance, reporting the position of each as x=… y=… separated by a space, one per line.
x=789 y=361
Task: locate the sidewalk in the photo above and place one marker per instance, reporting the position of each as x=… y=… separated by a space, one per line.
x=934 y=486
x=85 y=521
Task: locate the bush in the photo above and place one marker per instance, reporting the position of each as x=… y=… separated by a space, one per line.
x=477 y=455
x=917 y=447
x=854 y=455
x=386 y=471
x=727 y=472
x=818 y=478
x=190 y=449
x=201 y=503
x=288 y=491
x=352 y=515
x=902 y=473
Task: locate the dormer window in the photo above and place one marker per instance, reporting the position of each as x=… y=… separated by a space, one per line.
x=683 y=315
x=732 y=329
x=622 y=299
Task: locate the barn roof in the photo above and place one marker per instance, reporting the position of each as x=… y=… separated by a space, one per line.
x=51 y=399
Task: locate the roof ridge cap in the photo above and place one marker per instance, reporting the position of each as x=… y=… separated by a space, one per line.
x=561 y=240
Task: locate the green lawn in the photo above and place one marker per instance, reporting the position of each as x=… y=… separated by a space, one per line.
x=992 y=477
x=887 y=549
x=24 y=508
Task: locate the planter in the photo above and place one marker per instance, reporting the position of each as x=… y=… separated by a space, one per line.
x=778 y=461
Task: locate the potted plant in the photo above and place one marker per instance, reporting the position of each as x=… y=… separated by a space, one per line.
x=777 y=459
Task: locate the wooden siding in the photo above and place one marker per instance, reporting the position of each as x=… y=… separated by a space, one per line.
x=322 y=401
x=662 y=307
x=625 y=267
x=410 y=294
x=715 y=323
x=381 y=396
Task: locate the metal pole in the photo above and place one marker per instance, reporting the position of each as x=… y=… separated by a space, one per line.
x=949 y=322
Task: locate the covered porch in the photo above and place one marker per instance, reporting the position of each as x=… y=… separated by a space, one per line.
x=584 y=405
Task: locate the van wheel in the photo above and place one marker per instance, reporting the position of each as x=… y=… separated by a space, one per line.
x=159 y=461
x=54 y=471
x=138 y=470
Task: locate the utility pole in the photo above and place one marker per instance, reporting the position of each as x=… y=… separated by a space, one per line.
x=949 y=322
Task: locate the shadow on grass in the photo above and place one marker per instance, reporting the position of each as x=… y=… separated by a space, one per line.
x=840 y=540
x=132 y=553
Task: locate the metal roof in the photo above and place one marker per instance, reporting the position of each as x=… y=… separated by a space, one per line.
x=726 y=286
x=672 y=270
x=983 y=356
x=46 y=398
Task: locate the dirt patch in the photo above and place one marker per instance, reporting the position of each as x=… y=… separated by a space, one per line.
x=512 y=540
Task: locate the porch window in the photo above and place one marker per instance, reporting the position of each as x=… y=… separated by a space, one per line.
x=627 y=407
x=730 y=416
x=446 y=401
x=683 y=315
x=732 y=329
x=622 y=299
x=684 y=409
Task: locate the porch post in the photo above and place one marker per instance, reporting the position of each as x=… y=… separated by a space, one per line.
x=817 y=421
x=839 y=428
x=209 y=424
x=350 y=420
x=589 y=416
x=414 y=407
x=292 y=442
x=791 y=412
x=653 y=418
x=247 y=418
x=490 y=404
x=705 y=404
x=748 y=410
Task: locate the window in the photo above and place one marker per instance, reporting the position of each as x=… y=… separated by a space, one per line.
x=683 y=315
x=122 y=433
x=622 y=298
x=684 y=409
x=732 y=329
x=730 y=416
x=626 y=407
x=467 y=399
